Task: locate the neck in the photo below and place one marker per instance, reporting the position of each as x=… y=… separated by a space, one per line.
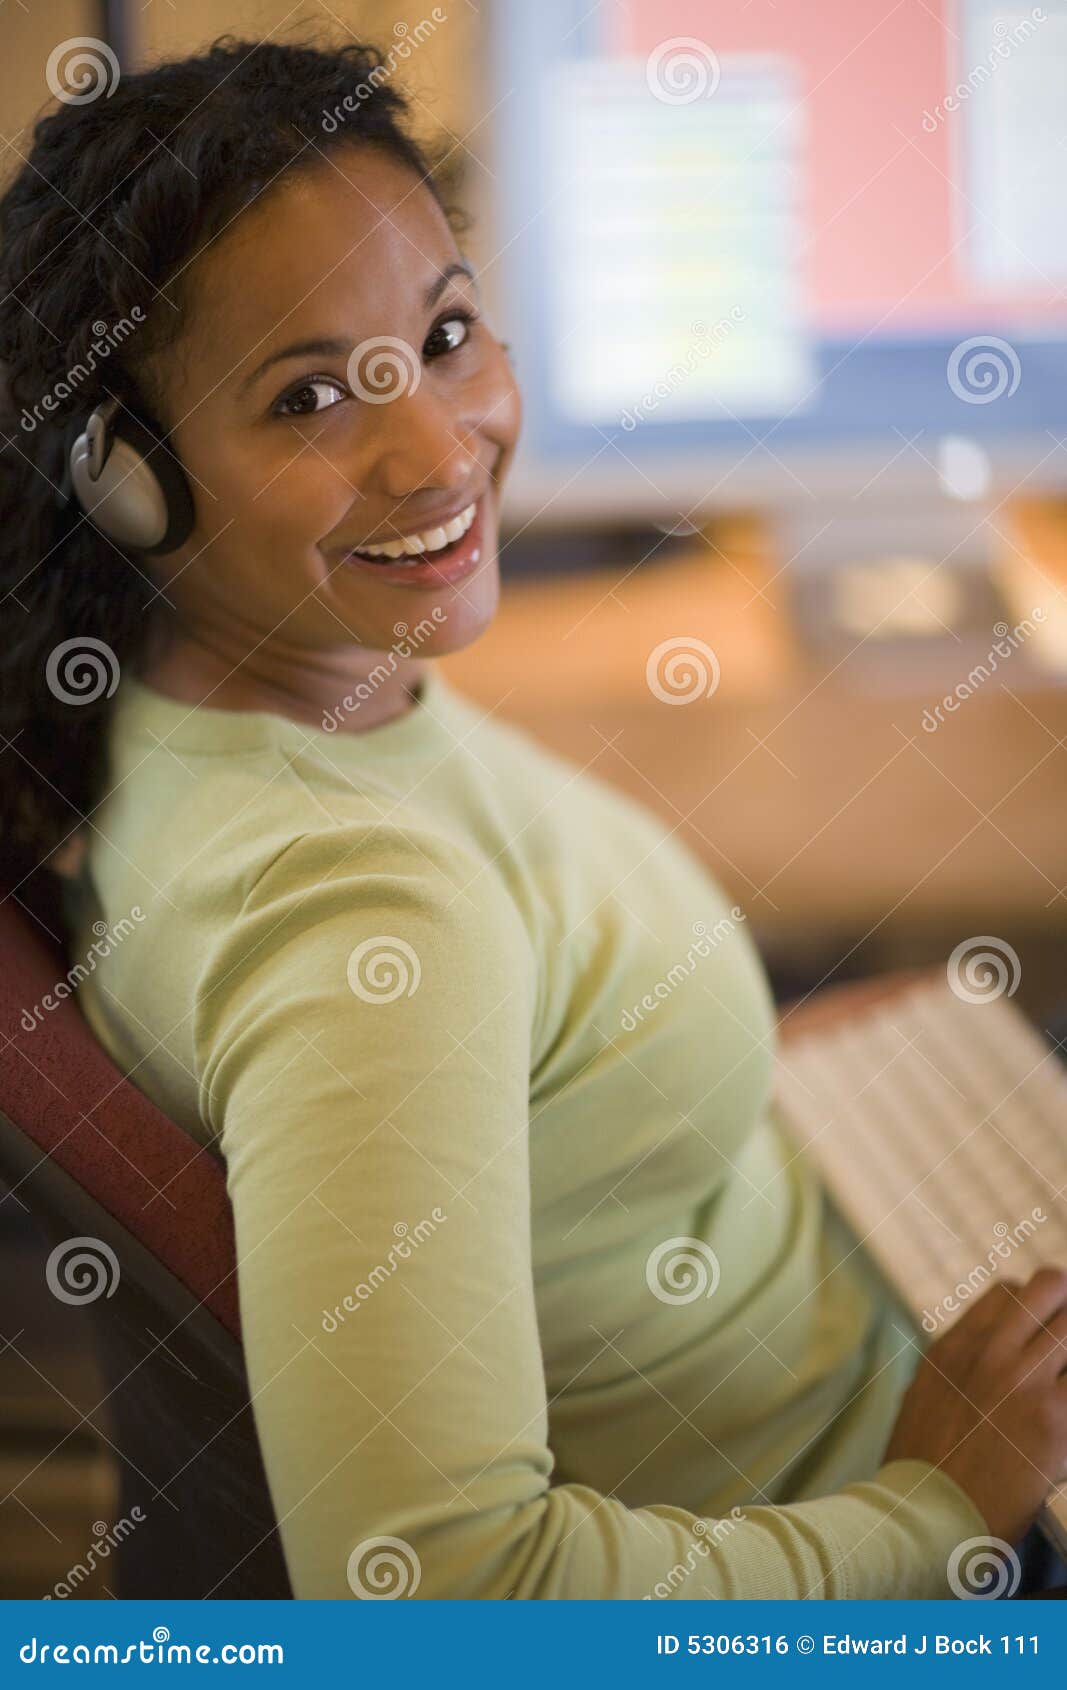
x=311 y=687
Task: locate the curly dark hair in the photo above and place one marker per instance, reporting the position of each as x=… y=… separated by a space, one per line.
x=114 y=198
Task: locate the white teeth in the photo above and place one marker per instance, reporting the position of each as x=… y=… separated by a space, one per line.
x=431 y=540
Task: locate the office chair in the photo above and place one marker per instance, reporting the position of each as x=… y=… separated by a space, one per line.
x=92 y=1158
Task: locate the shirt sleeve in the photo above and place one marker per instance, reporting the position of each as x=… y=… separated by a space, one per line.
x=363 y=1040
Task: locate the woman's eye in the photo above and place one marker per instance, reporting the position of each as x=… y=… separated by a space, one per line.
x=303 y=401
x=447 y=335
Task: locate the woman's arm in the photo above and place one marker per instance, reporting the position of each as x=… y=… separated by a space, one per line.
x=375 y=1130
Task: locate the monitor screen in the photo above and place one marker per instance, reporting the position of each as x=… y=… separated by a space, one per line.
x=777 y=249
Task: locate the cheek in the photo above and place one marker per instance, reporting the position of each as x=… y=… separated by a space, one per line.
x=286 y=493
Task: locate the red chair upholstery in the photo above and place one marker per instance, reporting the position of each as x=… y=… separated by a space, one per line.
x=91 y=1157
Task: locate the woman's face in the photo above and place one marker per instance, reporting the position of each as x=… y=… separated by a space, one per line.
x=334 y=388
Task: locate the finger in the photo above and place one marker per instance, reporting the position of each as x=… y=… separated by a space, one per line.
x=984 y=1313
x=1045 y=1356
x=1030 y=1308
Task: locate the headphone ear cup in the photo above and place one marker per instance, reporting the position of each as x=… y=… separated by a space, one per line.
x=65 y=488
x=141 y=498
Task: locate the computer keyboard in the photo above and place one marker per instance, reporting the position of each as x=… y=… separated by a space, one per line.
x=939 y=1125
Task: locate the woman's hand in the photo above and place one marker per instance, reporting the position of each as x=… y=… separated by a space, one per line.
x=988 y=1403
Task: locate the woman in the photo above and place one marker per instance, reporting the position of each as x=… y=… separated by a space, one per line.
x=536 y=1301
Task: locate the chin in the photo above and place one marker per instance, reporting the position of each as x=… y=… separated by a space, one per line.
x=429 y=622
x=443 y=619
x=459 y=640
x=462 y=618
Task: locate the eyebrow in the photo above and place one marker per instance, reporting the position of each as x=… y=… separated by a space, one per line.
x=337 y=348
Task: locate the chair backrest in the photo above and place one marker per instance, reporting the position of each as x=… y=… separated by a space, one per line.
x=142 y=1233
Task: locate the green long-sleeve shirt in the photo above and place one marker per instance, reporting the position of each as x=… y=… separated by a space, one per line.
x=530 y=1280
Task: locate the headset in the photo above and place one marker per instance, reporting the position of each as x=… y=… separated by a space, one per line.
x=128 y=482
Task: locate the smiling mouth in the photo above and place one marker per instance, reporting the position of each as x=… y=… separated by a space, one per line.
x=436 y=566
x=426 y=544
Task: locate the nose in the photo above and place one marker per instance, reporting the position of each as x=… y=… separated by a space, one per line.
x=421 y=444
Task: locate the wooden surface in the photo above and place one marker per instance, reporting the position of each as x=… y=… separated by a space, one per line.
x=817 y=798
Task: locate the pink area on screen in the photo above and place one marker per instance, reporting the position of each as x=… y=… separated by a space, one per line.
x=882 y=224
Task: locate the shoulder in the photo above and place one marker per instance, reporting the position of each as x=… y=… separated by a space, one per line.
x=363 y=907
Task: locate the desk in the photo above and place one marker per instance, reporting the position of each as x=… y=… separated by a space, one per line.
x=826 y=808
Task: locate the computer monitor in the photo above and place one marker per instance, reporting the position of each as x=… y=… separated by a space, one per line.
x=779 y=253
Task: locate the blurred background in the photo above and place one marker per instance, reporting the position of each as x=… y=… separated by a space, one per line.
x=785 y=552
